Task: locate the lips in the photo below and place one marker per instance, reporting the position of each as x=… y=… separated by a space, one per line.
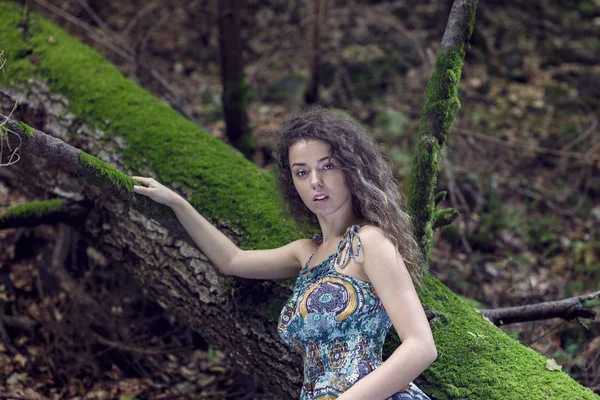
x=320 y=197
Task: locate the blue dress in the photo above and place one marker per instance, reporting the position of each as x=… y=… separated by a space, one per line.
x=338 y=324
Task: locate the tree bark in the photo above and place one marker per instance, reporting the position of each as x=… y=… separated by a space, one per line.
x=111 y=125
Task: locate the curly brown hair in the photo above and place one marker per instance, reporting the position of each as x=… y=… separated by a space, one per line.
x=376 y=197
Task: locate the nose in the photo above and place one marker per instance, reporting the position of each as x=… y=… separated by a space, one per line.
x=316 y=180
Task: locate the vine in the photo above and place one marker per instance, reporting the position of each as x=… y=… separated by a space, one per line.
x=4 y=131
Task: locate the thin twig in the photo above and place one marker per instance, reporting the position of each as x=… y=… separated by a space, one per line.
x=149 y=7
x=86 y=27
x=104 y=26
x=453 y=189
x=121 y=49
x=583 y=136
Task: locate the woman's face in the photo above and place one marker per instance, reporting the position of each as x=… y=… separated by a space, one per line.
x=318 y=178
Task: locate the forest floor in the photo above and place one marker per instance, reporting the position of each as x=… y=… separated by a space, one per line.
x=522 y=165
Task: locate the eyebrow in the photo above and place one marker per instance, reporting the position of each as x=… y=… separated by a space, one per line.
x=318 y=161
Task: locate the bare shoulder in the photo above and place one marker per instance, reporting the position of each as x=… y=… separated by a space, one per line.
x=371 y=231
x=303 y=248
x=380 y=254
x=373 y=240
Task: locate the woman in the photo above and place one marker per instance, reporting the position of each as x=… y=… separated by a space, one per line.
x=354 y=279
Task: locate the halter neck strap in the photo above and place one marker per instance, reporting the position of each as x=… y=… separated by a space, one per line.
x=344 y=252
x=344 y=249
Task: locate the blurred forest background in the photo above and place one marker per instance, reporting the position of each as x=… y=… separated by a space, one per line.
x=522 y=166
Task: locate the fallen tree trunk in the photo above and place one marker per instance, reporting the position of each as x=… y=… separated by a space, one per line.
x=71 y=93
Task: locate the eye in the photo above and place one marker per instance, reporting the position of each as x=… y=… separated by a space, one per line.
x=301 y=173
x=328 y=166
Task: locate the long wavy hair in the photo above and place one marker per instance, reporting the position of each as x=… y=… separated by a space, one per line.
x=376 y=196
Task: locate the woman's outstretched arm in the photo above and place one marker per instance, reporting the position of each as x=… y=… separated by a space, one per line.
x=282 y=262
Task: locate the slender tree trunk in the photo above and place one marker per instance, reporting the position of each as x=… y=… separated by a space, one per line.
x=319 y=8
x=235 y=90
x=437 y=116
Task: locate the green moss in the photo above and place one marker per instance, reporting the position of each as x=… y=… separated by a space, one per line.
x=482 y=362
x=437 y=116
x=471 y=21
x=33 y=209
x=224 y=185
x=29 y=131
x=107 y=173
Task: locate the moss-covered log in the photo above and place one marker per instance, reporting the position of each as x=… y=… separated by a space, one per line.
x=50 y=211
x=67 y=90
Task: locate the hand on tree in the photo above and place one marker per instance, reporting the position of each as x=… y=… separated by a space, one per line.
x=156 y=191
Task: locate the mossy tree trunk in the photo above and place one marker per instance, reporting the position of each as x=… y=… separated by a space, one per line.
x=437 y=117
x=104 y=128
x=235 y=90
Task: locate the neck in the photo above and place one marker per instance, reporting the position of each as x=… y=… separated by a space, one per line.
x=333 y=227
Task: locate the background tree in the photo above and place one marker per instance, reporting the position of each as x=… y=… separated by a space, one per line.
x=235 y=89
x=319 y=11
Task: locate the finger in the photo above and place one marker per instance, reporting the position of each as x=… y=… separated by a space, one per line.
x=141 y=179
x=140 y=189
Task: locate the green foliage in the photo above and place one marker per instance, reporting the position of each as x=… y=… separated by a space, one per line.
x=592 y=44
x=212 y=113
x=495 y=217
x=586 y=8
x=587 y=256
x=484 y=118
x=285 y=88
x=542 y=231
x=573 y=287
x=391 y=124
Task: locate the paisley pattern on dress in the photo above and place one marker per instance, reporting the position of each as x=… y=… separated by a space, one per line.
x=338 y=324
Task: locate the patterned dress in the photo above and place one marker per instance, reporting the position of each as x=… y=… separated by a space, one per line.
x=338 y=324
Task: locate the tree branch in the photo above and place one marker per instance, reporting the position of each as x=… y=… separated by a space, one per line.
x=571 y=308
x=93 y=170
